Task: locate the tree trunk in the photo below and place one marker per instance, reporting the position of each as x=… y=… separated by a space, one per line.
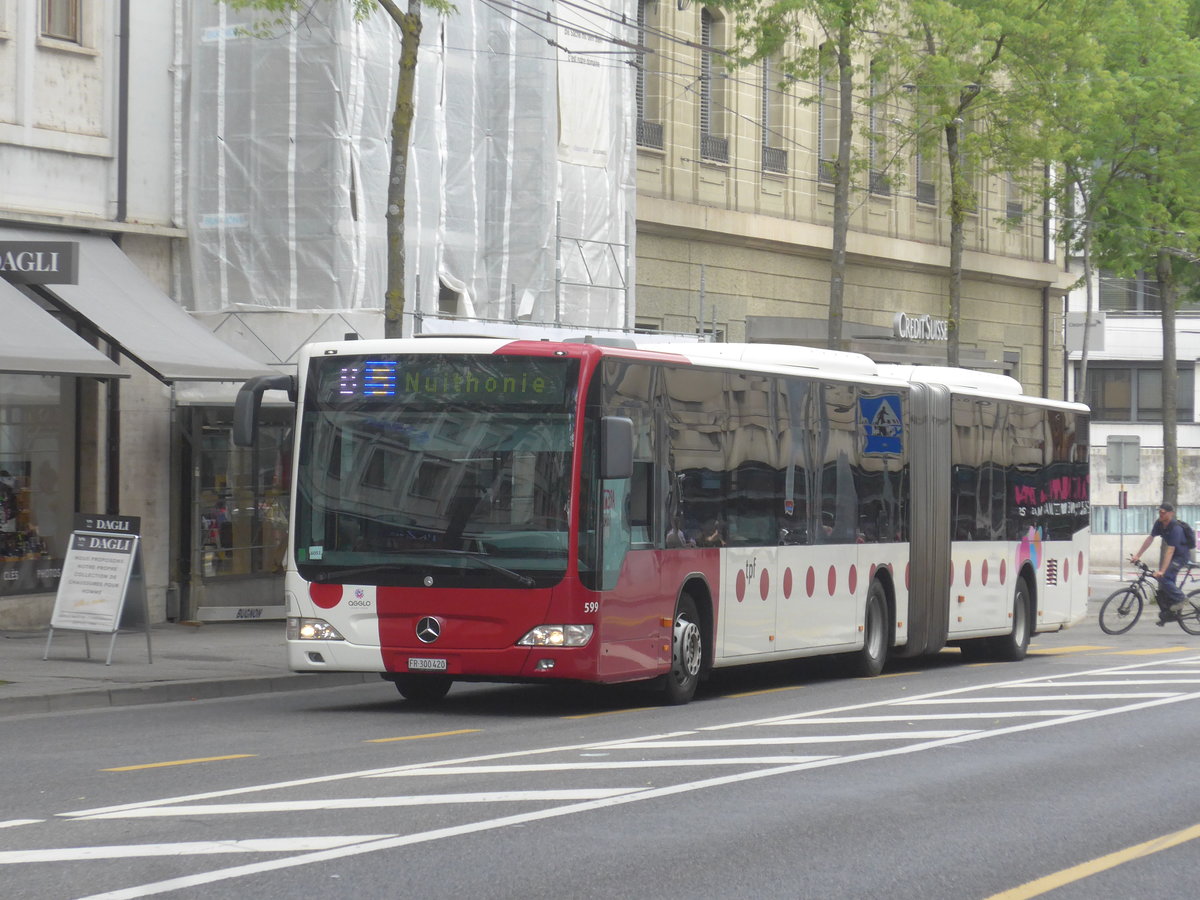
x=1170 y=379
x=1089 y=291
x=841 y=190
x=402 y=120
x=959 y=203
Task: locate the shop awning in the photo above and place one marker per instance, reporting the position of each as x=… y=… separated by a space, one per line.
x=127 y=308
x=32 y=341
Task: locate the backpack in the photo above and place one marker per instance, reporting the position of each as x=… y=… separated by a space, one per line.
x=1189 y=536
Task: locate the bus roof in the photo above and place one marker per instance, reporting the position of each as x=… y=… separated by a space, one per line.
x=955 y=379
x=831 y=362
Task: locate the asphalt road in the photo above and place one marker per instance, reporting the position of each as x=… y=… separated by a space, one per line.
x=940 y=779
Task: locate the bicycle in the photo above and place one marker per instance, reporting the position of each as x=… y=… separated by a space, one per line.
x=1123 y=608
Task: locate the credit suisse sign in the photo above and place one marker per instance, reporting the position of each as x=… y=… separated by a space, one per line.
x=39 y=262
x=920 y=328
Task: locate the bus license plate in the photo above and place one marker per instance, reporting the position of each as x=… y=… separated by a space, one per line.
x=434 y=665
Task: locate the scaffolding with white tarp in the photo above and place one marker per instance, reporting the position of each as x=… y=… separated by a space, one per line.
x=521 y=181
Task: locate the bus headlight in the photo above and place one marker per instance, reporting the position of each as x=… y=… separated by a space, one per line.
x=311 y=630
x=557 y=636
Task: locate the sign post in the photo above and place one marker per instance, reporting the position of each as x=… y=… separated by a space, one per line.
x=1124 y=467
x=102 y=568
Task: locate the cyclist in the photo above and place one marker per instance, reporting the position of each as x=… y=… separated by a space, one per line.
x=1175 y=554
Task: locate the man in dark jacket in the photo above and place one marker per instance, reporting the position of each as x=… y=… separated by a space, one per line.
x=1175 y=553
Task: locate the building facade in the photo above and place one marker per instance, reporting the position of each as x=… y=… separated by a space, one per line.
x=735 y=213
x=89 y=420
x=221 y=197
x=1124 y=390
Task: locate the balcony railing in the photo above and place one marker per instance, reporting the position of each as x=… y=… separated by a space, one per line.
x=713 y=148
x=650 y=134
x=774 y=160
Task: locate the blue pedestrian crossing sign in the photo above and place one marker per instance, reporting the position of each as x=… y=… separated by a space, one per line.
x=883 y=427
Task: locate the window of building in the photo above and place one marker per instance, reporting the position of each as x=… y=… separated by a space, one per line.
x=646 y=89
x=1014 y=206
x=37 y=477
x=1136 y=519
x=60 y=20
x=827 y=116
x=1134 y=393
x=923 y=179
x=240 y=494
x=877 y=126
x=714 y=145
x=1136 y=294
x=774 y=157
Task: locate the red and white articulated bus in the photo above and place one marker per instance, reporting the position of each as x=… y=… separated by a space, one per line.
x=478 y=509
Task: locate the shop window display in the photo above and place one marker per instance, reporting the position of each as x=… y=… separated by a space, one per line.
x=241 y=496
x=35 y=499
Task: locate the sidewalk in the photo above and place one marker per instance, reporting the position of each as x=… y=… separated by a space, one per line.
x=190 y=662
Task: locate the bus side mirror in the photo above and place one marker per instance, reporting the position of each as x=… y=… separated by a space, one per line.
x=616 y=447
x=249 y=401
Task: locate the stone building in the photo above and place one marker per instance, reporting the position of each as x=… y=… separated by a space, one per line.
x=221 y=198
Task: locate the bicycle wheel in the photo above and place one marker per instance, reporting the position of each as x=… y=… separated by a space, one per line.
x=1121 y=611
x=1189 y=619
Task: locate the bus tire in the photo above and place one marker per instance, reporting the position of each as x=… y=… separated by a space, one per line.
x=687 y=654
x=869 y=661
x=1013 y=646
x=423 y=688
x=1010 y=647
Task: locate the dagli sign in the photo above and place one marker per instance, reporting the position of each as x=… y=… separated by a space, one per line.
x=39 y=262
x=920 y=328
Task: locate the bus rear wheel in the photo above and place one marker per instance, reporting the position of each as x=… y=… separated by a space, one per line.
x=868 y=662
x=1013 y=646
x=687 y=654
x=423 y=688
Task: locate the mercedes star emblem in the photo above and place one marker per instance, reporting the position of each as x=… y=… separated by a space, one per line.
x=428 y=630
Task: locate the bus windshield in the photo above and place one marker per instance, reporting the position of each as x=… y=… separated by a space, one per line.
x=427 y=469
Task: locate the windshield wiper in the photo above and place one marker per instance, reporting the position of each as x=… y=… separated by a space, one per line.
x=523 y=580
x=352 y=571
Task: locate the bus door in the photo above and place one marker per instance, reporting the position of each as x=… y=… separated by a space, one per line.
x=752 y=580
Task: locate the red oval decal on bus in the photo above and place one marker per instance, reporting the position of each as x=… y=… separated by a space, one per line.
x=326 y=596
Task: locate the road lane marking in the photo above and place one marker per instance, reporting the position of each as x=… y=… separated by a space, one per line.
x=292 y=806
x=421 y=737
x=181 y=762
x=1116 y=682
x=1132 y=695
x=187 y=848
x=13 y=823
x=1093 y=867
x=435 y=769
x=790 y=687
x=1078 y=648
x=212 y=877
x=803 y=739
x=1151 y=651
x=930 y=717
x=613 y=712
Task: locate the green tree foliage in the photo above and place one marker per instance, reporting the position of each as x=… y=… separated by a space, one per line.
x=847 y=30
x=961 y=56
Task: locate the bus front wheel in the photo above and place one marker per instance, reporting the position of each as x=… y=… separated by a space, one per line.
x=687 y=654
x=423 y=688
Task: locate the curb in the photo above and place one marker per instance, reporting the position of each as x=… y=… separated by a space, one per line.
x=176 y=691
